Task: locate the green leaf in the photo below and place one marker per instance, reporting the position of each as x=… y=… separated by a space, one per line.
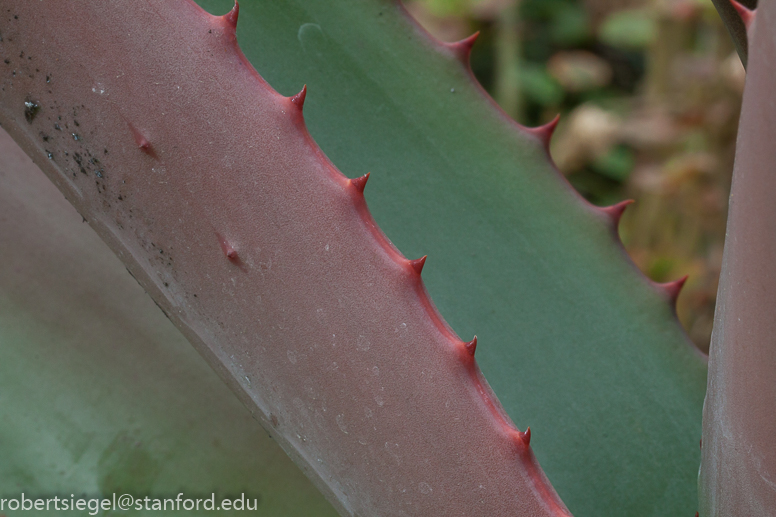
x=575 y=342
x=631 y=28
x=571 y=26
x=616 y=164
x=540 y=86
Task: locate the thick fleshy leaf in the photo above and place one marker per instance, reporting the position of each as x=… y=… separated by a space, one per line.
x=574 y=341
x=99 y=393
x=205 y=182
x=738 y=468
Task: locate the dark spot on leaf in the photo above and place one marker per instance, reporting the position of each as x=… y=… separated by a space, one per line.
x=31 y=109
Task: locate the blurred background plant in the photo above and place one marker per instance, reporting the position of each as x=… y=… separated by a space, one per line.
x=649 y=93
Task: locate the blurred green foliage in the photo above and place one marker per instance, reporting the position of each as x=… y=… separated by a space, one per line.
x=649 y=93
x=630 y=28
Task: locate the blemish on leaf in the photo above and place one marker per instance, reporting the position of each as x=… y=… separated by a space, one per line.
x=142 y=141
x=31 y=109
x=227 y=248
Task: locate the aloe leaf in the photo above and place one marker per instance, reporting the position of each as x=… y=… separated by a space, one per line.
x=206 y=183
x=574 y=341
x=577 y=344
x=738 y=468
x=99 y=393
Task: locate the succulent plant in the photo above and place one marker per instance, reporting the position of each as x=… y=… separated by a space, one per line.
x=206 y=183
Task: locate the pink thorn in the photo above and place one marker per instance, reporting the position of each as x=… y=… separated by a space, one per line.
x=746 y=14
x=471 y=346
x=544 y=133
x=615 y=211
x=298 y=99
x=418 y=264
x=360 y=183
x=463 y=48
x=526 y=436
x=231 y=17
x=227 y=248
x=140 y=139
x=672 y=289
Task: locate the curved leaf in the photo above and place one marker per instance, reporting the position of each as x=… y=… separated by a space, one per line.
x=99 y=393
x=573 y=339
